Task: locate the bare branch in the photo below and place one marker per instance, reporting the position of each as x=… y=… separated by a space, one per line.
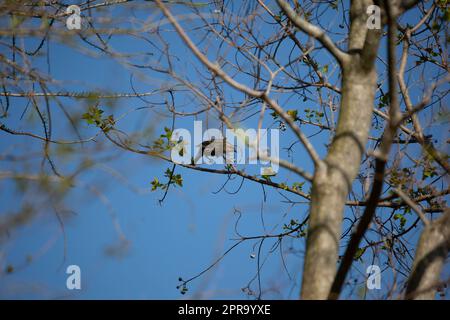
x=412 y=204
x=314 y=31
x=217 y=70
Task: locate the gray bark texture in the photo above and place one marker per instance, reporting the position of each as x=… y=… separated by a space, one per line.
x=432 y=250
x=332 y=180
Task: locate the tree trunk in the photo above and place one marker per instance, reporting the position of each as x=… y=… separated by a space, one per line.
x=332 y=181
x=432 y=250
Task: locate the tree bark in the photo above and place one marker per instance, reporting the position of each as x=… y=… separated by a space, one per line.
x=332 y=182
x=432 y=250
x=333 y=179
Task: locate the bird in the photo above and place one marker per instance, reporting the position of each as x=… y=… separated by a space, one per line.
x=214 y=148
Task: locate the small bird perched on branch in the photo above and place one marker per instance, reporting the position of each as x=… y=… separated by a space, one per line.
x=214 y=148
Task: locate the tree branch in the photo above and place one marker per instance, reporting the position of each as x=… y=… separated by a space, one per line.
x=215 y=69
x=313 y=31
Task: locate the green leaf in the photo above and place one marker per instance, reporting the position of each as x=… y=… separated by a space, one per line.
x=359 y=253
x=401 y=218
x=293 y=114
x=155 y=184
x=94 y=116
x=178 y=180
x=429 y=172
x=298 y=186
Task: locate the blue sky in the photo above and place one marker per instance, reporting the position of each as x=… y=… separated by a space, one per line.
x=179 y=238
